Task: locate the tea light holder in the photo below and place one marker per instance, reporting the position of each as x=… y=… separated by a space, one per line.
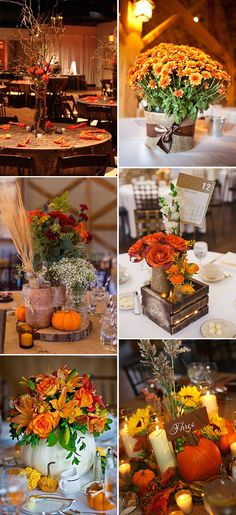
x=184 y=501
x=26 y=336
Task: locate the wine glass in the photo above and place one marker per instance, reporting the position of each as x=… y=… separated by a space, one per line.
x=108 y=333
x=13 y=493
x=209 y=372
x=220 y=496
x=200 y=250
x=195 y=372
x=111 y=485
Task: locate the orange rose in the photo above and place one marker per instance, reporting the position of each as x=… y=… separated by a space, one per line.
x=177 y=242
x=192 y=268
x=137 y=250
x=81 y=228
x=172 y=270
x=84 y=398
x=176 y=278
x=153 y=239
x=159 y=255
x=42 y=424
x=48 y=387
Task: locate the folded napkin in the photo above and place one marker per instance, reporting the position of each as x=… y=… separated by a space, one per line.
x=78 y=126
x=90 y=99
x=5 y=127
x=5 y=136
x=228 y=259
x=23 y=143
x=62 y=143
x=91 y=136
x=49 y=124
x=18 y=124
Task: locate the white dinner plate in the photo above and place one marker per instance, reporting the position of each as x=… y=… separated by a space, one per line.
x=123 y=274
x=46 y=506
x=129 y=296
x=228 y=328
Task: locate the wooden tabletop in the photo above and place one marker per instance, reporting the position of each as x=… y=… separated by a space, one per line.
x=90 y=345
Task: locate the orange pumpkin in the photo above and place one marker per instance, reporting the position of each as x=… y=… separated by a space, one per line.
x=226 y=440
x=96 y=498
x=21 y=313
x=199 y=462
x=142 y=478
x=66 y=320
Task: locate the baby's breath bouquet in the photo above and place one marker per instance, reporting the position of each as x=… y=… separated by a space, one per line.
x=76 y=273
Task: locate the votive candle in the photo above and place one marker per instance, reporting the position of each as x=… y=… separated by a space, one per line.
x=184 y=501
x=124 y=468
x=163 y=449
x=209 y=400
x=233 y=449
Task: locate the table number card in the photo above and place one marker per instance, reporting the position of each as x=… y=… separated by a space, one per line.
x=186 y=424
x=195 y=194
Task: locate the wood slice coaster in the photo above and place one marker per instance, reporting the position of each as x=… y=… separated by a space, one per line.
x=54 y=335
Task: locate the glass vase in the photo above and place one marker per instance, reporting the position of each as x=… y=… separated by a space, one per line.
x=40 y=117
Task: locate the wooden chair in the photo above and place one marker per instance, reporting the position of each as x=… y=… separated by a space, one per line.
x=2 y=329
x=138 y=376
x=21 y=163
x=147 y=213
x=68 y=165
x=2 y=105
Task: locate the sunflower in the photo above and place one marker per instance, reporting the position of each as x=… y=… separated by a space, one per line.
x=216 y=428
x=139 y=421
x=189 y=396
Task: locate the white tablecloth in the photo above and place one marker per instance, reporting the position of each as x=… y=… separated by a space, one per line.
x=208 y=150
x=222 y=302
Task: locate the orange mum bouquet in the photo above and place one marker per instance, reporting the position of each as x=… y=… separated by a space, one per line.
x=54 y=407
x=179 y=80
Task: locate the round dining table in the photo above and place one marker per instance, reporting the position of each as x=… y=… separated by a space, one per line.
x=208 y=150
x=97 y=101
x=47 y=148
x=222 y=299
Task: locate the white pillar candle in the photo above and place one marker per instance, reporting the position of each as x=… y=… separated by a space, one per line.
x=129 y=442
x=163 y=449
x=209 y=400
x=233 y=449
x=184 y=501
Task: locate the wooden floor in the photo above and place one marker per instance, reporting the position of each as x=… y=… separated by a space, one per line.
x=221 y=231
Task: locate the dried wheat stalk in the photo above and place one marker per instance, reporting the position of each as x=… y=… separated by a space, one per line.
x=15 y=218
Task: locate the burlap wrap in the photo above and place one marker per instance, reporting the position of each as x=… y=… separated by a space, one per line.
x=164 y=134
x=39 y=306
x=160 y=283
x=59 y=295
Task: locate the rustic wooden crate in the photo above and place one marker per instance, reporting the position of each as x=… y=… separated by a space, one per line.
x=174 y=316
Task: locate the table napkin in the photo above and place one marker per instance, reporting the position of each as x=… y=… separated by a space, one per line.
x=228 y=259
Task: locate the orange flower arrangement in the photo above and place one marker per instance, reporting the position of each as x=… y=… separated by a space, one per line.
x=168 y=251
x=55 y=407
x=178 y=79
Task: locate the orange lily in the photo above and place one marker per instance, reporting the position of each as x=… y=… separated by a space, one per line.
x=26 y=409
x=65 y=409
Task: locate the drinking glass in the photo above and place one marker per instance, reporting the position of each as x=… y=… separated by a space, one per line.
x=13 y=493
x=108 y=333
x=98 y=300
x=209 y=372
x=111 y=485
x=200 y=250
x=220 y=496
x=195 y=372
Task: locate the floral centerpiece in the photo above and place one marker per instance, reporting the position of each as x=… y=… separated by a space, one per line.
x=176 y=81
x=56 y=420
x=198 y=453
x=166 y=253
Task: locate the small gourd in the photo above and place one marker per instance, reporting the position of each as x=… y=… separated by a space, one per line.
x=48 y=483
x=21 y=313
x=66 y=320
x=96 y=497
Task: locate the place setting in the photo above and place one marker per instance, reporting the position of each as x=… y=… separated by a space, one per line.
x=177 y=431
x=58 y=443
x=175 y=283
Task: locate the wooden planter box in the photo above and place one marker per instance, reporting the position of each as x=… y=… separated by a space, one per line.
x=174 y=316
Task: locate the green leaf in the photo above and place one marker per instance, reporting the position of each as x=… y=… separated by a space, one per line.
x=75 y=461
x=36 y=262
x=71 y=375
x=52 y=439
x=31 y=384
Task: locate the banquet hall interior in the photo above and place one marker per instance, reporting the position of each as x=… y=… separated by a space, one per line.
x=144 y=26
x=58 y=87
x=87 y=267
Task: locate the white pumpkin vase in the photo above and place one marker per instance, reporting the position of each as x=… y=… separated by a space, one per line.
x=38 y=457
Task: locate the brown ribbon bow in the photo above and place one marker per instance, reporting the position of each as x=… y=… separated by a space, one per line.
x=166 y=135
